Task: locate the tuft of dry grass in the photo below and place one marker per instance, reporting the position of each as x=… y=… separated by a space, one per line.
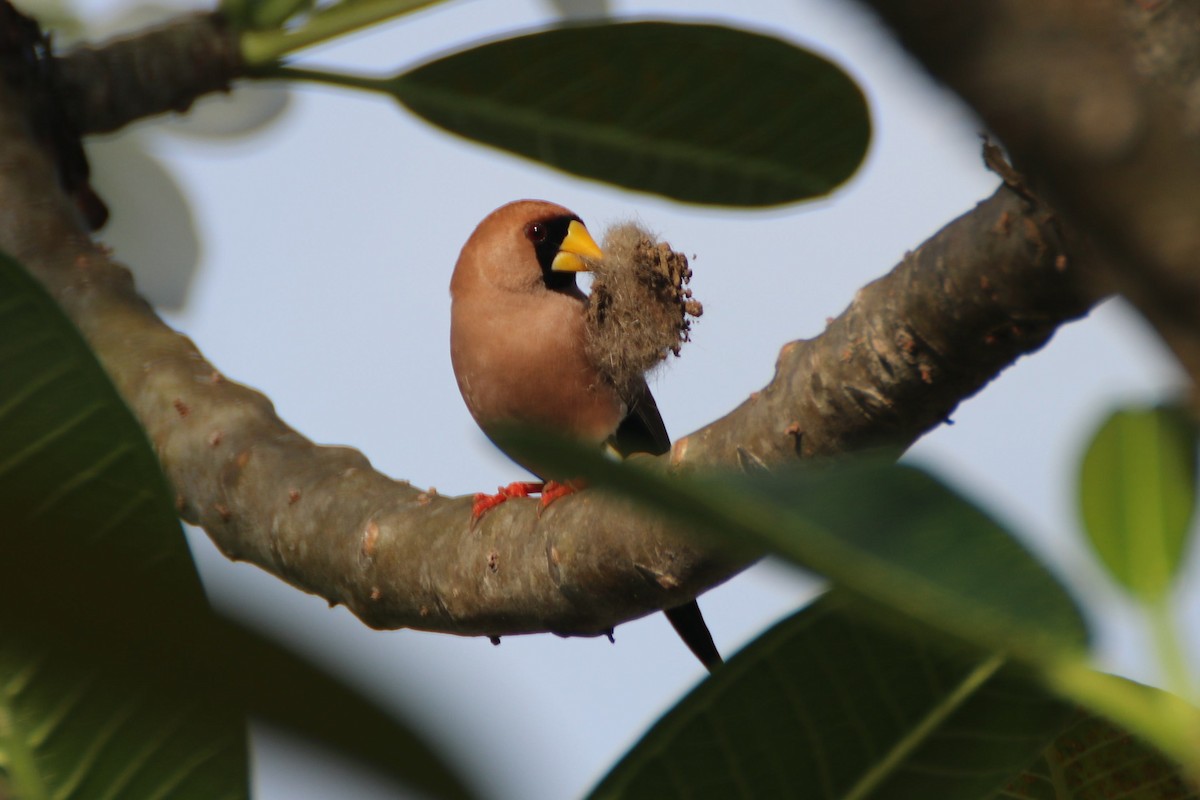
x=640 y=308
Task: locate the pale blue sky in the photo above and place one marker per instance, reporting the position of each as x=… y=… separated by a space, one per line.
x=326 y=245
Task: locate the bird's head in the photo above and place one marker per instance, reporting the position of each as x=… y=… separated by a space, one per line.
x=528 y=245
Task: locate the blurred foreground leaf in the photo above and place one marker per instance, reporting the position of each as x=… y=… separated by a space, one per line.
x=697 y=113
x=1137 y=494
x=1094 y=760
x=889 y=534
x=116 y=680
x=827 y=705
x=88 y=527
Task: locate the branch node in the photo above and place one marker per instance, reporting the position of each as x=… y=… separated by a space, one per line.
x=370 y=538
x=660 y=579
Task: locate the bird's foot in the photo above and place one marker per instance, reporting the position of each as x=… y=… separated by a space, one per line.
x=486 y=502
x=554 y=490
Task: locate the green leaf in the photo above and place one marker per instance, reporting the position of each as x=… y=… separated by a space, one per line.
x=1137 y=495
x=892 y=535
x=81 y=493
x=1094 y=760
x=828 y=705
x=697 y=113
x=116 y=680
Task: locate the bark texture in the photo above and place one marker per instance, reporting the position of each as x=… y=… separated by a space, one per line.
x=106 y=87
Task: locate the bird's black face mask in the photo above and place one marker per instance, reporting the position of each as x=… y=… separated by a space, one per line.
x=547 y=237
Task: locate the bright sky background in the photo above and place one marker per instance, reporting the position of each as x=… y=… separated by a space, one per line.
x=327 y=239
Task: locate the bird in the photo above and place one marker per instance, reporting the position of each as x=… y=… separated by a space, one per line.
x=517 y=345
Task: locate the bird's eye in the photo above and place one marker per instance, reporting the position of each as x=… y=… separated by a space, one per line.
x=536 y=232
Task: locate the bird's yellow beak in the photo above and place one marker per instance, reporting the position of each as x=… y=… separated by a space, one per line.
x=576 y=250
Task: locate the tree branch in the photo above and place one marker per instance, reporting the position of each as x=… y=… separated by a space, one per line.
x=1097 y=101
x=105 y=87
x=991 y=286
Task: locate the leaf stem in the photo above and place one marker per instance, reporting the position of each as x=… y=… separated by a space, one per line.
x=1171 y=659
x=344 y=79
x=263 y=47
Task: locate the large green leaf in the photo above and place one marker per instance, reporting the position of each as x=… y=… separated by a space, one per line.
x=116 y=680
x=698 y=113
x=87 y=518
x=1094 y=760
x=892 y=535
x=1137 y=494
x=828 y=705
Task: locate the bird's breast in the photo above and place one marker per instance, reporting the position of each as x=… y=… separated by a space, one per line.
x=525 y=363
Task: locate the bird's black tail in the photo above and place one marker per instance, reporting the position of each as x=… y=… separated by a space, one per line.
x=689 y=624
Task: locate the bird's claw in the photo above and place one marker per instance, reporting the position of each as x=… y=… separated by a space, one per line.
x=550 y=491
x=554 y=490
x=486 y=502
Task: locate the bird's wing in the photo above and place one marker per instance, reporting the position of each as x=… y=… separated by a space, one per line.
x=643 y=431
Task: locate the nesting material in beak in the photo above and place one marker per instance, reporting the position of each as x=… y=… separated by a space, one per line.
x=640 y=306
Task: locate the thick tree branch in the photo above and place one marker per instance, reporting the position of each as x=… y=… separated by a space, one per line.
x=991 y=286
x=106 y=87
x=1096 y=100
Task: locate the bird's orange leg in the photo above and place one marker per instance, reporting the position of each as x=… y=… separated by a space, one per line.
x=486 y=502
x=554 y=490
